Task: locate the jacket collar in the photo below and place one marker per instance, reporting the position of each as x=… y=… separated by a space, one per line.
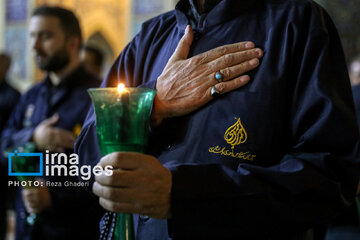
x=69 y=81
x=224 y=11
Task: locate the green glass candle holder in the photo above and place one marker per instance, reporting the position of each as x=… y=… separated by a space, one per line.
x=122 y=123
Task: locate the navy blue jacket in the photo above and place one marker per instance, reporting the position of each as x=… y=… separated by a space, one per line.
x=356 y=94
x=295 y=169
x=8 y=99
x=74 y=212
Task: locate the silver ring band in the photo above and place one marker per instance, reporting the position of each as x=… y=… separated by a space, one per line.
x=214 y=92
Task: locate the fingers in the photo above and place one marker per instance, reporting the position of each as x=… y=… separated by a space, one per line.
x=64 y=138
x=113 y=193
x=239 y=69
x=56 y=149
x=218 y=52
x=52 y=120
x=229 y=86
x=30 y=200
x=36 y=199
x=117 y=206
x=120 y=178
x=126 y=200
x=30 y=209
x=183 y=47
x=124 y=160
x=234 y=59
x=57 y=140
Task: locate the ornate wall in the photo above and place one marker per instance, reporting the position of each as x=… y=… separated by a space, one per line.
x=108 y=17
x=107 y=24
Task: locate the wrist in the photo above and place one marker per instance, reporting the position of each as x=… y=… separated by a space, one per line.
x=155 y=121
x=158 y=113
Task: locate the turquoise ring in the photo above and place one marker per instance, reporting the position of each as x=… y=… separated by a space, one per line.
x=219 y=76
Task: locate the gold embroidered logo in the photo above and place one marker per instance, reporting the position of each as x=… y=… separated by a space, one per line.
x=77 y=130
x=234 y=135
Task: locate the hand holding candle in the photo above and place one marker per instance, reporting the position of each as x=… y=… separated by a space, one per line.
x=140 y=184
x=122 y=123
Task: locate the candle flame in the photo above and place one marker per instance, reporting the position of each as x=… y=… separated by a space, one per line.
x=121 y=87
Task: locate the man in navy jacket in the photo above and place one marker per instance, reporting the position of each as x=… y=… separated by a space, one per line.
x=50 y=114
x=9 y=95
x=8 y=99
x=230 y=157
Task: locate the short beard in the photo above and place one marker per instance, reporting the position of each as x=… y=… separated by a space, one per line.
x=57 y=62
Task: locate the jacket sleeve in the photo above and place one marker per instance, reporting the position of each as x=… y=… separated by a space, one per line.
x=314 y=180
x=14 y=134
x=9 y=101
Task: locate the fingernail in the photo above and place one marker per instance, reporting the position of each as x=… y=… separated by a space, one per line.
x=249 y=45
x=254 y=61
x=245 y=78
x=259 y=52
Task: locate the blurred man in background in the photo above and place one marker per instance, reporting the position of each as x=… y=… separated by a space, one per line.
x=8 y=95
x=8 y=99
x=50 y=115
x=93 y=59
x=354 y=71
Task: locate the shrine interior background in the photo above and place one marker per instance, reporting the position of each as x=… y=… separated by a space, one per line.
x=110 y=25
x=106 y=24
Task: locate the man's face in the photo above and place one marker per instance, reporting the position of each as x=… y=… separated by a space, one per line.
x=49 y=42
x=355 y=73
x=88 y=59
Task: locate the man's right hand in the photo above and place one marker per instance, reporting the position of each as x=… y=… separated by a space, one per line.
x=48 y=137
x=185 y=83
x=36 y=199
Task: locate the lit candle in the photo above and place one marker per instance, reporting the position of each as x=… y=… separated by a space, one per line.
x=123 y=99
x=121 y=87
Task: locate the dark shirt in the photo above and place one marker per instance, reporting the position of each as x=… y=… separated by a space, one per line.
x=295 y=170
x=74 y=213
x=8 y=99
x=356 y=95
x=193 y=14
